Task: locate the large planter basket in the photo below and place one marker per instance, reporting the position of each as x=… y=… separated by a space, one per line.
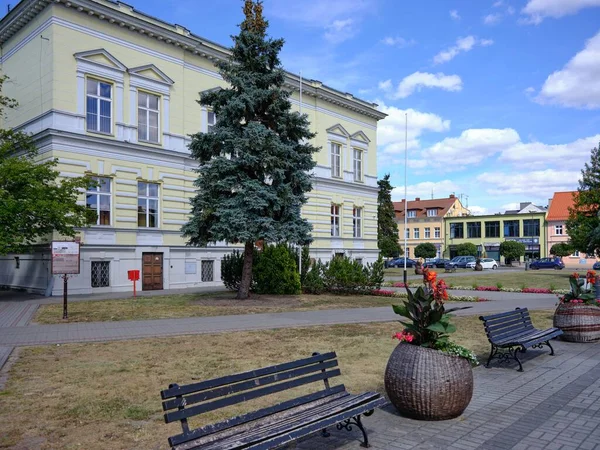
x=578 y=322
x=424 y=383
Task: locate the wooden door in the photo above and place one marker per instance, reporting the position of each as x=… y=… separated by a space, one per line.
x=152 y=271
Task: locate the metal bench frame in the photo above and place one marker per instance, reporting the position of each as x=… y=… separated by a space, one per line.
x=511 y=333
x=274 y=426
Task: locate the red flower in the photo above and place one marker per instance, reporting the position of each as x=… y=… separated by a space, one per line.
x=575 y=275
x=405 y=336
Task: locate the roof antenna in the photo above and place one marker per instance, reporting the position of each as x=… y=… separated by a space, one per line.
x=431 y=193
x=8 y=8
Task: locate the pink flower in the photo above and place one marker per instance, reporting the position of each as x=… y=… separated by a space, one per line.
x=405 y=336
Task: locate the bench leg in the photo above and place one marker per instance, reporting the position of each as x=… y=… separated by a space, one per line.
x=493 y=352
x=516 y=351
x=347 y=424
x=551 y=349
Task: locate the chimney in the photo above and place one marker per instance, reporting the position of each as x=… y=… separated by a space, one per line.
x=451 y=196
x=418 y=199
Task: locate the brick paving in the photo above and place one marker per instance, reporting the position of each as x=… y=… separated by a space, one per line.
x=554 y=404
x=16 y=314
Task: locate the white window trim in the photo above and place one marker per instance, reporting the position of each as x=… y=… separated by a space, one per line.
x=411 y=214
x=96 y=191
x=147 y=198
x=359 y=172
x=432 y=212
x=335 y=220
x=357 y=219
x=137 y=82
x=148 y=110
x=98 y=98
x=427 y=233
x=437 y=233
x=208 y=124
x=556 y=228
x=416 y=233
x=338 y=156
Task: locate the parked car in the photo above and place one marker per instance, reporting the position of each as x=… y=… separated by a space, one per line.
x=596 y=265
x=547 y=263
x=486 y=263
x=399 y=262
x=459 y=262
x=436 y=262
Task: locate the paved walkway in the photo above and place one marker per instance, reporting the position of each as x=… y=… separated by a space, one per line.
x=554 y=404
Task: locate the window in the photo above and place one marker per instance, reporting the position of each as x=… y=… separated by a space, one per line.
x=148 y=117
x=474 y=230
x=437 y=232
x=98 y=199
x=407 y=233
x=416 y=233
x=531 y=227
x=336 y=160
x=427 y=233
x=558 y=230
x=100 y=273
x=457 y=231
x=412 y=214
x=408 y=252
x=359 y=261
x=575 y=254
x=511 y=228
x=147 y=205
x=431 y=212
x=358 y=165
x=357 y=222
x=211 y=120
x=207 y=271
x=492 y=229
x=335 y=220
x=98 y=106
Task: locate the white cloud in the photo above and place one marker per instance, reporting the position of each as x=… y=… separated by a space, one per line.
x=478 y=210
x=534 y=185
x=317 y=13
x=454 y=15
x=509 y=206
x=577 y=84
x=492 y=19
x=510 y=10
x=423 y=190
x=537 y=154
x=420 y=80
x=391 y=130
x=537 y=10
x=465 y=44
x=498 y=4
x=398 y=41
x=340 y=30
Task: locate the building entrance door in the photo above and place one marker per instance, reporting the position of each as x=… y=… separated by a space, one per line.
x=152 y=271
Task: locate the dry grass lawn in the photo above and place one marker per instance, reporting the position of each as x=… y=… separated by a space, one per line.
x=194 y=305
x=106 y=395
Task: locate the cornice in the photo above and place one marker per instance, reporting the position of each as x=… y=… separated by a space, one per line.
x=124 y=16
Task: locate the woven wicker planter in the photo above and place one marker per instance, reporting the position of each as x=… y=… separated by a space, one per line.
x=578 y=322
x=427 y=384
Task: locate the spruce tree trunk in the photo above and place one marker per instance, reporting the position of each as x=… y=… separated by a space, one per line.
x=244 y=290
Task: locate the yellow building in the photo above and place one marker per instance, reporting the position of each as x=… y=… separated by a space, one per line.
x=110 y=91
x=425 y=222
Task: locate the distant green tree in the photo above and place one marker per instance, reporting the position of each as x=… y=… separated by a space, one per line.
x=561 y=249
x=425 y=250
x=512 y=250
x=466 y=249
x=583 y=225
x=387 y=228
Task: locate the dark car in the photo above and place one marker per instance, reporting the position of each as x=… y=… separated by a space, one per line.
x=436 y=262
x=459 y=262
x=547 y=263
x=596 y=265
x=399 y=262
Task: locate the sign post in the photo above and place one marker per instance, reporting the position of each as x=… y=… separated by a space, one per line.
x=65 y=262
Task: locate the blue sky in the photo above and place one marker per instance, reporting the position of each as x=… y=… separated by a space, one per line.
x=502 y=96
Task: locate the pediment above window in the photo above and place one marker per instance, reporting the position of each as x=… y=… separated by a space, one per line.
x=151 y=72
x=361 y=137
x=100 y=57
x=339 y=130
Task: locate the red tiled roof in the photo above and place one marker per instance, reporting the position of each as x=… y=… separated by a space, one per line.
x=559 y=206
x=421 y=206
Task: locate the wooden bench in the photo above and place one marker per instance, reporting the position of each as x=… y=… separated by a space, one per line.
x=273 y=426
x=512 y=332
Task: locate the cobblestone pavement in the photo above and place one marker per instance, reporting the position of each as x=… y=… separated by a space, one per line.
x=16 y=314
x=554 y=405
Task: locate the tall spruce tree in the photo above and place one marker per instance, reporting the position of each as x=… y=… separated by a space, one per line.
x=387 y=228
x=583 y=225
x=254 y=165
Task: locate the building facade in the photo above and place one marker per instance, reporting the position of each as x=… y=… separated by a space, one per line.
x=487 y=232
x=558 y=213
x=111 y=92
x=425 y=221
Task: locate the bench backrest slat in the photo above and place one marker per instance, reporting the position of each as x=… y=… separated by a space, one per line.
x=509 y=322
x=247 y=385
x=248 y=395
x=222 y=381
x=249 y=417
x=504 y=325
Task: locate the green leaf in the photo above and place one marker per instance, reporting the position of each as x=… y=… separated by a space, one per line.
x=437 y=327
x=401 y=310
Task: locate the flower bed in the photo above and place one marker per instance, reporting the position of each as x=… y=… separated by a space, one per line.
x=489 y=288
x=451 y=298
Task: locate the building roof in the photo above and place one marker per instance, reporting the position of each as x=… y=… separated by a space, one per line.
x=559 y=206
x=421 y=206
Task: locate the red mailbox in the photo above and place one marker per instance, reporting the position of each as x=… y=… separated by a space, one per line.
x=133 y=275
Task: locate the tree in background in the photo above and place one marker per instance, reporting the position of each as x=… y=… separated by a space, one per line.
x=425 y=250
x=583 y=225
x=254 y=165
x=512 y=250
x=387 y=228
x=33 y=201
x=466 y=249
x=561 y=249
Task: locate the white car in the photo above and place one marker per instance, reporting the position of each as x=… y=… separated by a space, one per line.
x=486 y=263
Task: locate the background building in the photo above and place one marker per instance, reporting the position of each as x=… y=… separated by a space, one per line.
x=112 y=92
x=425 y=221
x=558 y=213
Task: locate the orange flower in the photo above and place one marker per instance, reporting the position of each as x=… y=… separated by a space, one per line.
x=575 y=275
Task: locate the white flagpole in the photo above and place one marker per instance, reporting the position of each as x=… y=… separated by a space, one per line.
x=300 y=92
